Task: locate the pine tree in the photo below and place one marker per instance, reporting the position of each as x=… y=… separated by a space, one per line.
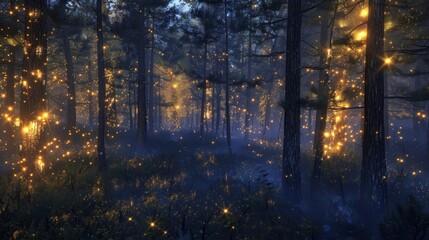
x=101 y=148
x=326 y=31
x=291 y=161
x=373 y=190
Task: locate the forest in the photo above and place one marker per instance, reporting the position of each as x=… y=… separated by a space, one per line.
x=214 y=119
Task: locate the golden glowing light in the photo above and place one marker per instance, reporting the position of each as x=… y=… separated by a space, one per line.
x=360 y=36
x=40 y=163
x=388 y=61
x=364 y=13
x=25 y=130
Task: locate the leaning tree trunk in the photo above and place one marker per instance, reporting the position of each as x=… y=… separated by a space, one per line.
x=326 y=30
x=71 y=87
x=227 y=110
x=291 y=164
x=373 y=191
x=33 y=86
x=141 y=89
x=101 y=151
x=204 y=89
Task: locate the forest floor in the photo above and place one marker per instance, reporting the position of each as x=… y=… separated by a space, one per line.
x=184 y=188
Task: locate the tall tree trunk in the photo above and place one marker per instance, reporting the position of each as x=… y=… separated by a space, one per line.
x=152 y=81
x=248 y=114
x=141 y=89
x=267 y=118
x=101 y=151
x=10 y=98
x=204 y=89
x=90 y=95
x=159 y=106
x=33 y=85
x=267 y=121
x=386 y=115
x=130 y=102
x=213 y=101
x=111 y=108
x=326 y=32
x=227 y=110
x=218 y=107
x=373 y=191
x=291 y=139
x=71 y=87
x=218 y=92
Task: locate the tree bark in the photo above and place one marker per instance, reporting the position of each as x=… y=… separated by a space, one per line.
x=71 y=87
x=326 y=30
x=130 y=102
x=101 y=151
x=291 y=164
x=204 y=91
x=373 y=191
x=141 y=89
x=267 y=120
x=248 y=114
x=152 y=81
x=227 y=110
x=218 y=94
x=90 y=95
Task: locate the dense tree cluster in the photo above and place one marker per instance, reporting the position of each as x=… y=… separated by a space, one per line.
x=325 y=86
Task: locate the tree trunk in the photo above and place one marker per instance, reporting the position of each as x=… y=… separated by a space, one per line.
x=33 y=86
x=227 y=110
x=159 y=106
x=248 y=114
x=267 y=121
x=90 y=96
x=71 y=87
x=218 y=94
x=152 y=81
x=218 y=107
x=101 y=151
x=373 y=191
x=141 y=89
x=111 y=108
x=213 y=99
x=326 y=32
x=291 y=138
x=204 y=93
x=130 y=103
x=10 y=99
